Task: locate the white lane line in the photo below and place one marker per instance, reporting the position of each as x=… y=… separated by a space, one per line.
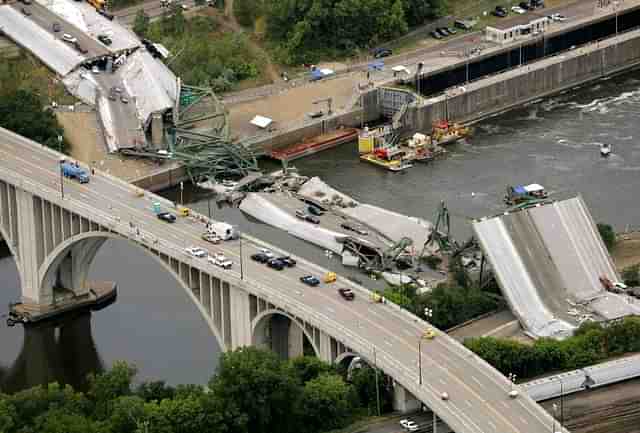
x=475 y=379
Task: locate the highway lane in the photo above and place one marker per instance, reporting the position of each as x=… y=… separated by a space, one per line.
x=478 y=395
x=45 y=19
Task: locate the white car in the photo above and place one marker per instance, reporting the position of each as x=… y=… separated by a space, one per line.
x=68 y=38
x=267 y=252
x=518 y=10
x=220 y=260
x=404 y=422
x=558 y=17
x=210 y=237
x=196 y=252
x=412 y=426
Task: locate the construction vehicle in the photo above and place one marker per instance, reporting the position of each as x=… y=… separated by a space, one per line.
x=98 y=4
x=520 y=194
x=330 y=277
x=73 y=171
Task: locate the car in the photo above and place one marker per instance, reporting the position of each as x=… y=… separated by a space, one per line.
x=105 y=39
x=557 y=17
x=68 y=38
x=330 y=277
x=412 y=426
x=499 y=12
x=379 y=53
x=26 y=12
x=518 y=10
x=167 y=216
x=260 y=257
x=346 y=293
x=117 y=89
x=95 y=70
x=621 y=286
x=56 y=27
x=312 y=219
x=288 y=261
x=301 y=214
x=525 y=5
x=464 y=24
x=313 y=210
x=443 y=32
x=444 y=396
x=536 y=4
x=211 y=238
x=267 y=252
x=196 y=252
x=513 y=393
x=451 y=30
x=276 y=264
x=310 y=280
x=404 y=422
x=124 y=99
x=220 y=260
x=429 y=334
x=27 y=2
x=105 y=14
x=435 y=35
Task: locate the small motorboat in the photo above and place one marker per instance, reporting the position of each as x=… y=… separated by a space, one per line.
x=605 y=150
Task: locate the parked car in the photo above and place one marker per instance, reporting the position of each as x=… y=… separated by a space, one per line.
x=314 y=210
x=26 y=12
x=557 y=17
x=117 y=89
x=68 y=38
x=525 y=5
x=276 y=264
x=167 y=216
x=435 y=35
x=210 y=237
x=378 y=53
x=260 y=257
x=404 y=422
x=312 y=219
x=124 y=99
x=288 y=261
x=412 y=426
x=500 y=12
x=451 y=30
x=105 y=39
x=518 y=10
x=196 y=252
x=301 y=214
x=220 y=260
x=310 y=280
x=346 y=293
x=464 y=24
x=56 y=27
x=536 y=4
x=267 y=252
x=443 y=32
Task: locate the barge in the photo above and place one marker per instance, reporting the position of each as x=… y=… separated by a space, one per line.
x=315 y=145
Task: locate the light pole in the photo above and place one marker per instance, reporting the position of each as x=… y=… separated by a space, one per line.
x=561 y=402
x=328 y=254
x=428 y=312
x=181 y=190
x=241 y=261
x=375 y=367
x=61 y=181
x=512 y=378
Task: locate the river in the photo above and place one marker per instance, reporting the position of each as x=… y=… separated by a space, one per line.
x=554 y=142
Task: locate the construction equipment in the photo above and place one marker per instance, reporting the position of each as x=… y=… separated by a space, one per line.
x=329 y=101
x=440 y=232
x=390 y=255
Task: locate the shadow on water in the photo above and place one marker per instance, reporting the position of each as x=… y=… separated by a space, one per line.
x=62 y=352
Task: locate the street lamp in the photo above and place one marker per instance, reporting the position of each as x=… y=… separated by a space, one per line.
x=512 y=378
x=241 y=261
x=561 y=401
x=428 y=312
x=328 y=254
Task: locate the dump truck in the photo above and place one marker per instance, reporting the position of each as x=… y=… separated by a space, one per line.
x=73 y=171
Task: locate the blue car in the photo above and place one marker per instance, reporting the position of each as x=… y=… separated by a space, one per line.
x=310 y=280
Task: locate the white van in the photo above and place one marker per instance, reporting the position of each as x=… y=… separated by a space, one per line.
x=223 y=230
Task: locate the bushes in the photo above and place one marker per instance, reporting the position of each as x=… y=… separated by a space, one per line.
x=608 y=235
x=631 y=275
x=590 y=344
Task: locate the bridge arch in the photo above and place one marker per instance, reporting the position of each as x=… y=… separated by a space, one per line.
x=346 y=356
x=14 y=254
x=263 y=327
x=89 y=244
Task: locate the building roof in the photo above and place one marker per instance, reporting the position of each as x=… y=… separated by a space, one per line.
x=57 y=55
x=520 y=20
x=548 y=259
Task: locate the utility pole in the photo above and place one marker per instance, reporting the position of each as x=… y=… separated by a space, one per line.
x=241 y=263
x=181 y=190
x=375 y=366
x=61 y=182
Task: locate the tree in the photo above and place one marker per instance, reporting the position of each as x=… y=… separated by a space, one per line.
x=21 y=111
x=306 y=368
x=155 y=390
x=631 y=275
x=364 y=384
x=59 y=421
x=247 y=11
x=141 y=23
x=327 y=402
x=274 y=393
x=607 y=234
x=107 y=386
x=7 y=415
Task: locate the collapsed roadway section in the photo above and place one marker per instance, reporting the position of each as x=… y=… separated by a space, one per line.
x=550 y=261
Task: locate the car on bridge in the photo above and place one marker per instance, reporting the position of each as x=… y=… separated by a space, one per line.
x=196 y=252
x=347 y=293
x=267 y=252
x=68 y=38
x=260 y=257
x=211 y=238
x=288 y=261
x=276 y=264
x=167 y=216
x=310 y=280
x=220 y=260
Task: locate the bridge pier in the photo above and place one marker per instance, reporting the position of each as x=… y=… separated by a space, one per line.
x=403 y=400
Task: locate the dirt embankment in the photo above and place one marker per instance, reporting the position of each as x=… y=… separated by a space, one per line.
x=627 y=250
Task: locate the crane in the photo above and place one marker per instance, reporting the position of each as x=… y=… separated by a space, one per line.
x=329 y=101
x=440 y=232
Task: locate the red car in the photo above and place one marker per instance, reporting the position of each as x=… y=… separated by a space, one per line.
x=347 y=293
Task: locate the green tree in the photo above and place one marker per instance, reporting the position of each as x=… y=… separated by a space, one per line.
x=247 y=11
x=607 y=234
x=155 y=390
x=364 y=383
x=105 y=387
x=21 y=111
x=306 y=368
x=126 y=412
x=327 y=402
x=141 y=23
x=274 y=393
x=59 y=421
x=631 y=275
x=7 y=414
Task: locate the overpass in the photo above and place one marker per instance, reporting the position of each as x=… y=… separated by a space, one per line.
x=54 y=239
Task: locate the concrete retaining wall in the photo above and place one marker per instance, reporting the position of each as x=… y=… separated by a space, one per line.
x=162 y=179
x=499 y=93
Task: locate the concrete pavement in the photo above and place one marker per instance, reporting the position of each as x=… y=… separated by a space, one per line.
x=383 y=334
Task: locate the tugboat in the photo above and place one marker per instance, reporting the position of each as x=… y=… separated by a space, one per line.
x=605 y=150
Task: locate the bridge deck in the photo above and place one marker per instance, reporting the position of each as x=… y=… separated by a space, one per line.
x=381 y=333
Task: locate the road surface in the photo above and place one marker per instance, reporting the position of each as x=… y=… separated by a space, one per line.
x=478 y=394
